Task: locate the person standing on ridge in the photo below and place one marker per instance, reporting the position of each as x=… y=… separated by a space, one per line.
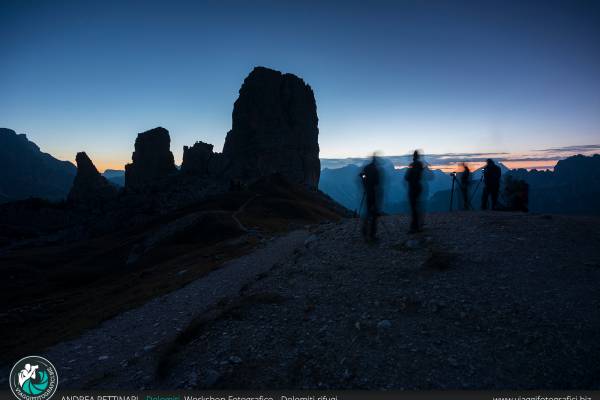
x=370 y=177
x=465 y=181
x=491 y=180
x=413 y=176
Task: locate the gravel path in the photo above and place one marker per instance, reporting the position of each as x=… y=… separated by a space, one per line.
x=135 y=335
x=478 y=300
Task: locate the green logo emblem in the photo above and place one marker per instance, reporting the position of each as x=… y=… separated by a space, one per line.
x=30 y=386
x=33 y=378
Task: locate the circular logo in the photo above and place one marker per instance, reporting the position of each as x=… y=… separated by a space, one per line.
x=33 y=378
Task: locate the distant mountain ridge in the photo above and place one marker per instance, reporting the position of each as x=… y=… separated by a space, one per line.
x=26 y=171
x=573 y=186
x=115 y=176
x=344 y=186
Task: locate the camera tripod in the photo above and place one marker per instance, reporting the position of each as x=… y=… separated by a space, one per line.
x=385 y=228
x=454 y=180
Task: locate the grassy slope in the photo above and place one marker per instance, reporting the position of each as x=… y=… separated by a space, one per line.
x=62 y=290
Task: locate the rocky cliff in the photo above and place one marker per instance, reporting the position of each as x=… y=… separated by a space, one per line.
x=152 y=158
x=200 y=159
x=274 y=129
x=89 y=187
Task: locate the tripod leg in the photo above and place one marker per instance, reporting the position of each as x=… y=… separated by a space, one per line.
x=452 y=192
x=476 y=187
x=360 y=219
x=361 y=204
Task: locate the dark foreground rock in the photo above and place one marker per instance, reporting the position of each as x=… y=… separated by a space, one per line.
x=477 y=301
x=92 y=266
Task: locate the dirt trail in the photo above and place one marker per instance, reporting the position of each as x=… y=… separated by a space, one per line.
x=478 y=300
x=136 y=335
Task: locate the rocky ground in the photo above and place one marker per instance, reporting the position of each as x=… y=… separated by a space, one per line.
x=478 y=300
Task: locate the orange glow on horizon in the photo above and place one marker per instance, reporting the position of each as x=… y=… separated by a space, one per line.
x=457 y=167
x=117 y=164
x=541 y=165
x=528 y=165
x=103 y=166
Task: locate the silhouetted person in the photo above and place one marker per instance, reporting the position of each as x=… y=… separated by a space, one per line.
x=491 y=182
x=414 y=176
x=370 y=177
x=465 y=181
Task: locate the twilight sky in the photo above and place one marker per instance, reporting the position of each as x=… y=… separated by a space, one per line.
x=441 y=76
